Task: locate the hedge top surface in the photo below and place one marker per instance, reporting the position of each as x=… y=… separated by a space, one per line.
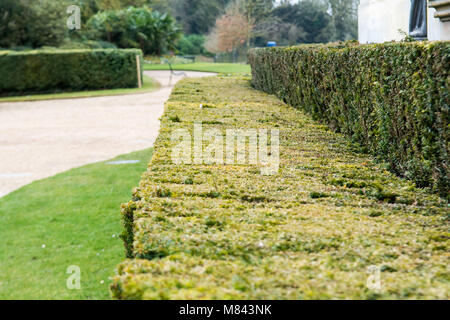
x=353 y=44
x=309 y=232
x=65 y=51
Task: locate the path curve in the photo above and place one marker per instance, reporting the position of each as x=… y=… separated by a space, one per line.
x=42 y=138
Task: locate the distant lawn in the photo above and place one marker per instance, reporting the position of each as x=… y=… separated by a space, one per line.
x=203 y=67
x=76 y=215
x=149 y=84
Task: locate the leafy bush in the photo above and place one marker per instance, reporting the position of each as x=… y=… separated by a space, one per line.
x=142 y=28
x=193 y=44
x=67 y=70
x=391 y=98
x=32 y=23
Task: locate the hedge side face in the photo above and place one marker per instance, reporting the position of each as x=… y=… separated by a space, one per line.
x=67 y=70
x=391 y=98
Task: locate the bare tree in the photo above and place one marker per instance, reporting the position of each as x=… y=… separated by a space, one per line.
x=232 y=31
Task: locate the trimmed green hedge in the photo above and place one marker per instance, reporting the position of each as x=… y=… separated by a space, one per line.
x=392 y=98
x=310 y=231
x=67 y=70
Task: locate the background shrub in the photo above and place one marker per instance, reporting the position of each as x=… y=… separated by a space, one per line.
x=193 y=44
x=67 y=70
x=149 y=30
x=391 y=98
x=32 y=23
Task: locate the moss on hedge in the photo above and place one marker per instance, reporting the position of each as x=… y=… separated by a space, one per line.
x=309 y=232
x=41 y=71
x=392 y=98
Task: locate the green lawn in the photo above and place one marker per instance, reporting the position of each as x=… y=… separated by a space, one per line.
x=203 y=67
x=76 y=215
x=149 y=84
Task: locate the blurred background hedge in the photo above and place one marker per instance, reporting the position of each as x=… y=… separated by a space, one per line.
x=39 y=71
x=391 y=98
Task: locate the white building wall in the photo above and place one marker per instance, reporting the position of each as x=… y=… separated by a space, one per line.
x=437 y=30
x=380 y=20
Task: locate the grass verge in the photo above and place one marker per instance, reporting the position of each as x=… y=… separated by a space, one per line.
x=203 y=67
x=148 y=85
x=68 y=219
x=312 y=231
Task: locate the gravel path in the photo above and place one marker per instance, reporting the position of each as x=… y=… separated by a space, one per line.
x=40 y=139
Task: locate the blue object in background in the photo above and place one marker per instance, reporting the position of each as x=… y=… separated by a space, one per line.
x=271 y=44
